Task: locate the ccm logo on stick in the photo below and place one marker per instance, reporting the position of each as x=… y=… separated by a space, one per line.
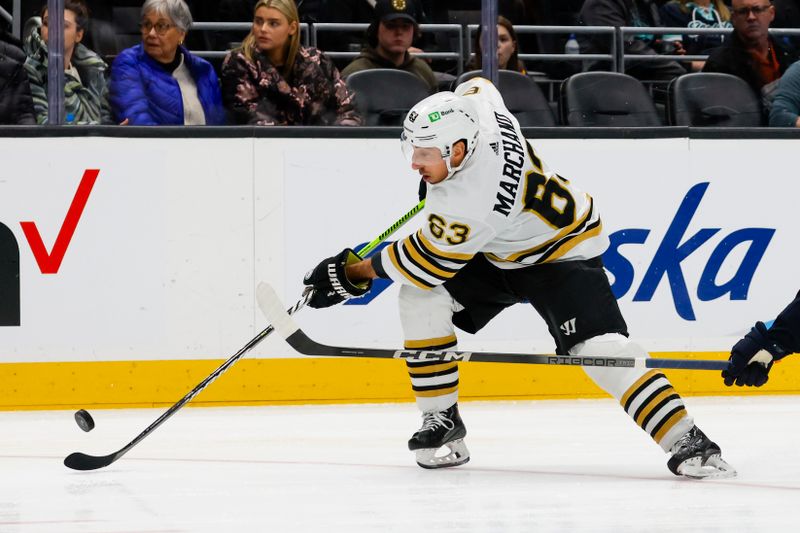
x=432 y=356
x=49 y=262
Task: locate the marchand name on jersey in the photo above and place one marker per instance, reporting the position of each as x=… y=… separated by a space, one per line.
x=514 y=157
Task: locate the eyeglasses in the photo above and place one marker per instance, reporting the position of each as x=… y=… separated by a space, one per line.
x=755 y=10
x=161 y=27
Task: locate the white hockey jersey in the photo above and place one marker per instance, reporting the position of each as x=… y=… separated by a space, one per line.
x=503 y=202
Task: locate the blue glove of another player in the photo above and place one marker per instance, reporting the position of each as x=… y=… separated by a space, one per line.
x=751 y=358
x=329 y=282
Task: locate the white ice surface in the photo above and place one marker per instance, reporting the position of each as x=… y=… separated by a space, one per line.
x=536 y=466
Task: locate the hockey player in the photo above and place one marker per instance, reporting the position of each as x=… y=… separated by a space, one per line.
x=501 y=229
x=752 y=357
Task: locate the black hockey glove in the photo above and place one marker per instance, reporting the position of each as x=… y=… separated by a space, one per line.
x=751 y=358
x=329 y=283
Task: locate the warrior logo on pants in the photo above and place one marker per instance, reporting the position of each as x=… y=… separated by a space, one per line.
x=568 y=327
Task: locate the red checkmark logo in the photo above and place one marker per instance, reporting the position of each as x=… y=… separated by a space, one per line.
x=49 y=263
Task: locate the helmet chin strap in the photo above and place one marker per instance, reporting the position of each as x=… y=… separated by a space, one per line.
x=452 y=170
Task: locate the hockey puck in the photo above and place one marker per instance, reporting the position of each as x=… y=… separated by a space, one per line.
x=84 y=420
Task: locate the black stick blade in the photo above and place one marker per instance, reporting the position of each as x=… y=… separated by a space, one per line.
x=81 y=461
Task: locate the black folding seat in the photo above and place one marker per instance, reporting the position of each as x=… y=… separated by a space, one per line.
x=606 y=99
x=713 y=99
x=384 y=96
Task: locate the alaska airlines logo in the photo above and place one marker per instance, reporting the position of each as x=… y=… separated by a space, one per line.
x=675 y=248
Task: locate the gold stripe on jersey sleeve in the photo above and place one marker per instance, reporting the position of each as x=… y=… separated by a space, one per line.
x=430 y=344
x=424 y=263
x=635 y=387
x=560 y=235
x=436 y=252
x=434 y=393
x=574 y=241
x=400 y=268
x=431 y=369
x=669 y=424
x=653 y=403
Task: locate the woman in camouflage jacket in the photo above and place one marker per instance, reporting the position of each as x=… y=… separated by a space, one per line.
x=273 y=81
x=85 y=95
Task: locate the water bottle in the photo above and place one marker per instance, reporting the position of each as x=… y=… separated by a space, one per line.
x=572 y=46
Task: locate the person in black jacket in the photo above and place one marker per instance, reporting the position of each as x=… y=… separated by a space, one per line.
x=751 y=53
x=628 y=13
x=16 y=104
x=752 y=357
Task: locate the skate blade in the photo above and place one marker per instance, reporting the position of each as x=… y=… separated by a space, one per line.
x=459 y=455
x=714 y=467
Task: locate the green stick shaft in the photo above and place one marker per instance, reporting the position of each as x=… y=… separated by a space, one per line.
x=367 y=248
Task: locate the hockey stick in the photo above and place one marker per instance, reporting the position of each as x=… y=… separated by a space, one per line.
x=271 y=306
x=82 y=461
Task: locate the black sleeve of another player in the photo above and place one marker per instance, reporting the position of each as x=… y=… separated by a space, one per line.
x=377 y=265
x=786 y=329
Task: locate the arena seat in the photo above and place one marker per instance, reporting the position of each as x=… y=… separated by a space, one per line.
x=522 y=96
x=384 y=96
x=606 y=99
x=713 y=99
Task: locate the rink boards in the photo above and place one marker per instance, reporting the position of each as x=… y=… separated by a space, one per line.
x=133 y=287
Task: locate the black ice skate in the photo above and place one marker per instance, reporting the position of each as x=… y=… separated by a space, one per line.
x=440 y=428
x=695 y=456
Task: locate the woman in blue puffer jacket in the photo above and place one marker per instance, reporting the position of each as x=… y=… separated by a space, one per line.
x=159 y=82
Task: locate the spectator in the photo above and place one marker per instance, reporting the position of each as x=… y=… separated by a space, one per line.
x=697 y=14
x=507 y=48
x=751 y=53
x=85 y=90
x=273 y=81
x=159 y=82
x=389 y=38
x=641 y=13
x=16 y=105
x=785 y=112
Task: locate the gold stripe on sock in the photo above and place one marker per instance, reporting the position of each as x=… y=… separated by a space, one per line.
x=633 y=388
x=435 y=393
x=669 y=424
x=423 y=370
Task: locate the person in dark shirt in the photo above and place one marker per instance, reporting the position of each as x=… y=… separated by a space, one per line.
x=389 y=39
x=628 y=13
x=697 y=14
x=750 y=53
